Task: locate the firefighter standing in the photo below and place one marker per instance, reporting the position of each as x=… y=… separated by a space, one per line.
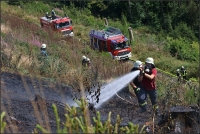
x=53 y=14
x=136 y=84
x=43 y=50
x=148 y=86
x=183 y=72
x=84 y=61
x=178 y=74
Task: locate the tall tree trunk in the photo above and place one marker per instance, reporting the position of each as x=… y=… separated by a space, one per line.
x=129 y=4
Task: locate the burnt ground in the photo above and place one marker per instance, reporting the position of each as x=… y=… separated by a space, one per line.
x=28 y=101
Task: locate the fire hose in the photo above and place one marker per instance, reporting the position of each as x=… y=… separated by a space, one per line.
x=124 y=99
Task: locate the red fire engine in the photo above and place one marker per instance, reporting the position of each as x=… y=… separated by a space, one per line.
x=111 y=40
x=60 y=24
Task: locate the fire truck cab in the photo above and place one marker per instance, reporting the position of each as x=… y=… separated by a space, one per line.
x=111 y=40
x=63 y=25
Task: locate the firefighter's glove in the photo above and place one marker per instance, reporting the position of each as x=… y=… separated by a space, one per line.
x=141 y=72
x=147 y=70
x=137 y=89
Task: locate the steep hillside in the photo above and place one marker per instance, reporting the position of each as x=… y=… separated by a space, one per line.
x=22 y=37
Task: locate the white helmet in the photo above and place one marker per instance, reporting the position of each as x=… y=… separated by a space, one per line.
x=88 y=59
x=43 y=46
x=137 y=64
x=84 y=57
x=178 y=70
x=182 y=67
x=150 y=60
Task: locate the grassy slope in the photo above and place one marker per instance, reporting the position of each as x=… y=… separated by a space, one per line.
x=144 y=44
x=65 y=56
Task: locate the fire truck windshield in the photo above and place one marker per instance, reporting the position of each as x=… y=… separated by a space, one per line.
x=117 y=46
x=62 y=25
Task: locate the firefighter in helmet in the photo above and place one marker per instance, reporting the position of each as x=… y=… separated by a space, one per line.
x=136 y=83
x=84 y=61
x=47 y=15
x=183 y=72
x=53 y=14
x=43 y=50
x=148 y=86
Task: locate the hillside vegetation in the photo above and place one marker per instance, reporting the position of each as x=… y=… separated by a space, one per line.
x=170 y=49
x=172 y=43
x=22 y=36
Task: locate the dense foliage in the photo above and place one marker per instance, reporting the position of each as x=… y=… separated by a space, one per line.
x=165 y=15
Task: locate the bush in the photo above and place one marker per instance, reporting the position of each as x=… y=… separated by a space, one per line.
x=182 y=49
x=183 y=31
x=35 y=7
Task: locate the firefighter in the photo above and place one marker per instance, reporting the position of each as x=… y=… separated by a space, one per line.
x=135 y=84
x=178 y=74
x=183 y=72
x=88 y=63
x=53 y=14
x=47 y=15
x=84 y=61
x=43 y=50
x=148 y=86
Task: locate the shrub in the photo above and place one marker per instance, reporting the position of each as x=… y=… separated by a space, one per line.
x=80 y=124
x=183 y=31
x=182 y=49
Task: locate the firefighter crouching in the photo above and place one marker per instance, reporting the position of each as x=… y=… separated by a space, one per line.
x=43 y=50
x=148 y=86
x=136 y=83
x=86 y=62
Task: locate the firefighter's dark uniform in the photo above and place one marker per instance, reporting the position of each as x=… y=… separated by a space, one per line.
x=84 y=63
x=43 y=51
x=137 y=83
x=183 y=72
